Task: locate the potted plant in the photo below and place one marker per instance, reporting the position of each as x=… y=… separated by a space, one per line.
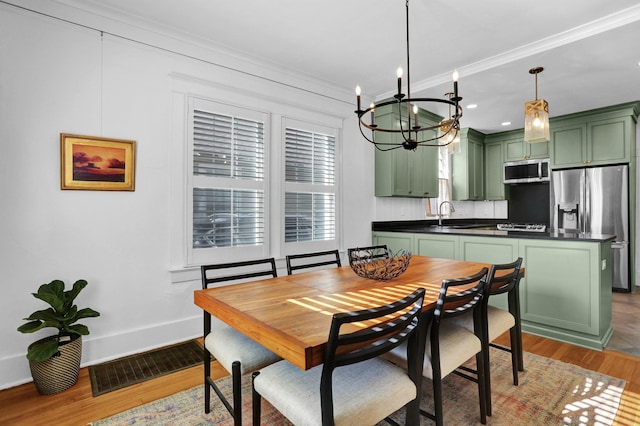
x=55 y=360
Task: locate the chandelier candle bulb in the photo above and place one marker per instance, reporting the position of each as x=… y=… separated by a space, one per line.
x=399 y=74
x=358 y=91
x=373 y=116
x=415 y=116
x=455 y=83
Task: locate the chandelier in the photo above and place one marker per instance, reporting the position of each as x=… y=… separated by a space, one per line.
x=413 y=133
x=536 y=116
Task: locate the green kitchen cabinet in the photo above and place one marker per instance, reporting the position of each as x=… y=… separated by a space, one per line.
x=594 y=138
x=467 y=167
x=493 y=165
x=568 y=145
x=566 y=293
x=490 y=250
x=517 y=148
x=401 y=172
x=395 y=241
x=433 y=245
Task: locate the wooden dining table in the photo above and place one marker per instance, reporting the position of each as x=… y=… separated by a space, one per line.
x=291 y=315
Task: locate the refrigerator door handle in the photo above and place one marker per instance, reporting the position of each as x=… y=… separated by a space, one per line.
x=619 y=244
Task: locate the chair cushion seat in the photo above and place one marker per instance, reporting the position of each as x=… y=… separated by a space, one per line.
x=500 y=320
x=457 y=345
x=363 y=393
x=228 y=345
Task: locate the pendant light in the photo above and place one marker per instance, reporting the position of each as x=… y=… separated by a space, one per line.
x=536 y=116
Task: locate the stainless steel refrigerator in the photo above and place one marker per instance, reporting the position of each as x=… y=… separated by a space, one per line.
x=595 y=200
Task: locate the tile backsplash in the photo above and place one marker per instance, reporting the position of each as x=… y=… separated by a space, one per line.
x=394 y=208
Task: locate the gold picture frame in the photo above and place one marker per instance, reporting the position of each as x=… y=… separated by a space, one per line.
x=96 y=163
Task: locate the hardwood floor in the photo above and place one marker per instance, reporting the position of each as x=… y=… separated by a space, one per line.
x=22 y=405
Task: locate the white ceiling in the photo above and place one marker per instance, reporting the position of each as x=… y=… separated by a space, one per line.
x=590 y=49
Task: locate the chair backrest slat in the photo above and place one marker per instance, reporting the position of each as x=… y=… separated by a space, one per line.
x=239 y=271
x=292 y=265
x=503 y=283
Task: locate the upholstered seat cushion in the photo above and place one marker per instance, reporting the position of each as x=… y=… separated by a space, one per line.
x=500 y=320
x=457 y=345
x=363 y=393
x=228 y=345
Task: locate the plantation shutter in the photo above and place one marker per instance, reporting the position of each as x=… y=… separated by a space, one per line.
x=310 y=210
x=228 y=156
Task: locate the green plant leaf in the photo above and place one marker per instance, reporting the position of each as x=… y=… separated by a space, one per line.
x=87 y=313
x=53 y=294
x=80 y=329
x=42 y=351
x=70 y=296
x=45 y=315
x=30 y=327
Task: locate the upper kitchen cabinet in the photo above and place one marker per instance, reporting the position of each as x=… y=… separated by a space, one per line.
x=594 y=138
x=403 y=173
x=516 y=148
x=467 y=167
x=493 y=159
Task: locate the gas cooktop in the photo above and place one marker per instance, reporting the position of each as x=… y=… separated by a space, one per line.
x=526 y=227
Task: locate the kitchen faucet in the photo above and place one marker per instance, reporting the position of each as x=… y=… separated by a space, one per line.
x=440 y=211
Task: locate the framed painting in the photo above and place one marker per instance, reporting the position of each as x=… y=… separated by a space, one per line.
x=96 y=163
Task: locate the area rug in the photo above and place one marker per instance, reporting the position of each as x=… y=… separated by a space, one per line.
x=550 y=393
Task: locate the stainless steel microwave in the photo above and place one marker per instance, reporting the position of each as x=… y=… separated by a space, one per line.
x=526 y=171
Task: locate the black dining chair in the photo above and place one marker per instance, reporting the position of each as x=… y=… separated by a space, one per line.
x=360 y=254
x=237 y=353
x=448 y=346
x=316 y=259
x=503 y=278
x=354 y=386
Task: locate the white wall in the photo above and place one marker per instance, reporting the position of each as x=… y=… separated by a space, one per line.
x=56 y=77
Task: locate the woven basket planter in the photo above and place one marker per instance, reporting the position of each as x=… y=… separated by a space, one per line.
x=59 y=372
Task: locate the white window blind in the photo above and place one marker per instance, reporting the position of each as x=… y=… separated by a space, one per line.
x=310 y=207
x=228 y=158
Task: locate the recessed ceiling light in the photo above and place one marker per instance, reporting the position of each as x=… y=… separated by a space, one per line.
x=472 y=106
x=505 y=123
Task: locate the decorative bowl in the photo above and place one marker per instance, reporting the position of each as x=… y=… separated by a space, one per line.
x=382 y=269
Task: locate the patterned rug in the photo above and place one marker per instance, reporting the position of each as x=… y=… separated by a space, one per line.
x=550 y=393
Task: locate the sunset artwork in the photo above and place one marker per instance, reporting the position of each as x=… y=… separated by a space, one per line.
x=96 y=163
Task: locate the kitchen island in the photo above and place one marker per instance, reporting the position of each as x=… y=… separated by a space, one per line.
x=566 y=293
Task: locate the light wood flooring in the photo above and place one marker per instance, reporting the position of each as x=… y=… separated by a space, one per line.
x=23 y=406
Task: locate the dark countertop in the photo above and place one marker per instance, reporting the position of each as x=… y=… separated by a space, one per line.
x=481 y=228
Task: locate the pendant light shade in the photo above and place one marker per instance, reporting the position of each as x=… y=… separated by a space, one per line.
x=536 y=116
x=446 y=131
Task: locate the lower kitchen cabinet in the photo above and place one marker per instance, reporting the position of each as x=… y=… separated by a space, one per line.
x=567 y=291
x=565 y=294
x=442 y=246
x=395 y=241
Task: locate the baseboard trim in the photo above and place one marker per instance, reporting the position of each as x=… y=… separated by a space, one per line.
x=98 y=349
